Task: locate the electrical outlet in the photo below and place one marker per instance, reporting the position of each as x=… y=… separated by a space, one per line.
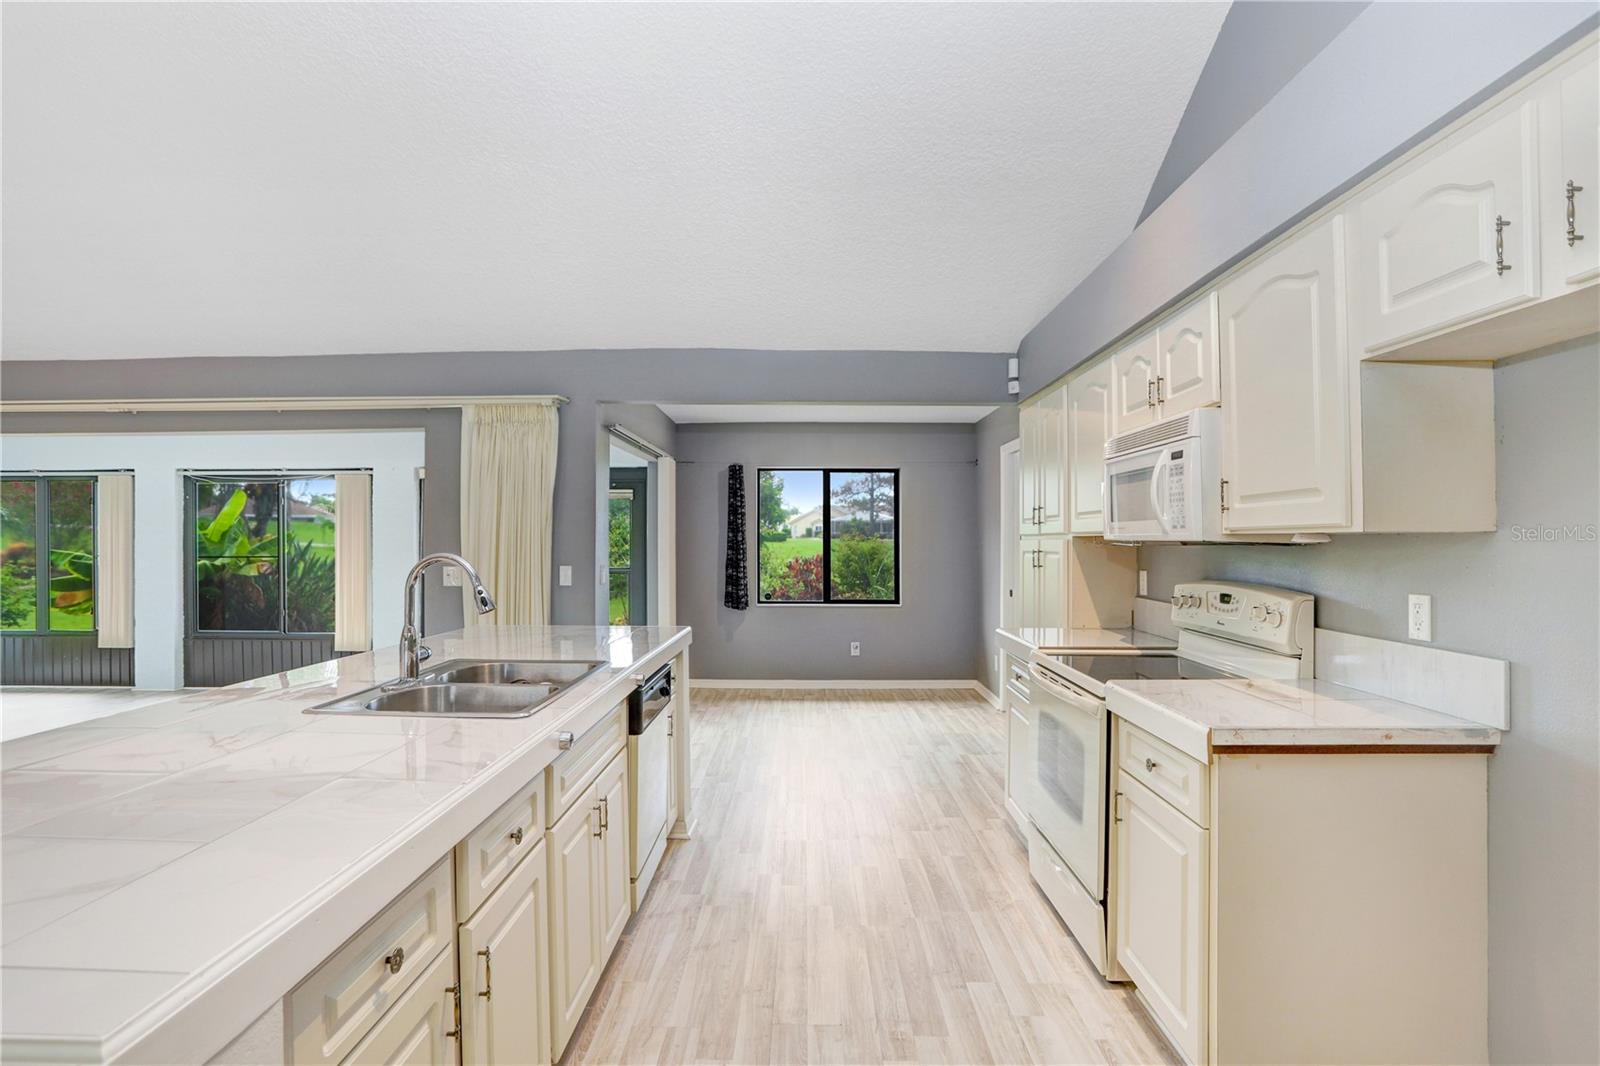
x=564 y=575
x=855 y=647
x=1144 y=582
x=452 y=577
x=1419 y=616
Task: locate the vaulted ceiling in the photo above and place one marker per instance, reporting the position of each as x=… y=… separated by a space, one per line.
x=293 y=179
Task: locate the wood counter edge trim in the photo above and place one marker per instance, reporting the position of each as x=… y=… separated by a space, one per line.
x=1353 y=749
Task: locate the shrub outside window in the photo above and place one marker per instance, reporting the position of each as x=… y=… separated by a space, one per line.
x=263 y=554
x=828 y=535
x=49 y=519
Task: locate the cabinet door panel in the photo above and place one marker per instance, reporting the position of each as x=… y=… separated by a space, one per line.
x=1188 y=370
x=1052 y=462
x=1133 y=388
x=616 y=899
x=1028 y=420
x=1162 y=913
x=1088 y=428
x=505 y=966
x=573 y=846
x=1580 y=164
x=1427 y=249
x=412 y=1032
x=1285 y=372
x=1052 y=578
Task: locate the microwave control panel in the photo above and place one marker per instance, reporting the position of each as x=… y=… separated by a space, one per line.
x=1273 y=618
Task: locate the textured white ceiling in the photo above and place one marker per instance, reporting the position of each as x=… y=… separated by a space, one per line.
x=277 y=179
x=920 y=413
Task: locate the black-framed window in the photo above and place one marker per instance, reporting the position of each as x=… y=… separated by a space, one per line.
x=260 y=554
x=48 y=519
x=828 y=535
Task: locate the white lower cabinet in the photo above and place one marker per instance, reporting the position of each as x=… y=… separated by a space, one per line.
x=419 y=1030
x=589 y=898
x=504 y=962
x=1161 y=912
x=1017 y=695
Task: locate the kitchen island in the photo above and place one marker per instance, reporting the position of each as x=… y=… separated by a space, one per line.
x=174 y=873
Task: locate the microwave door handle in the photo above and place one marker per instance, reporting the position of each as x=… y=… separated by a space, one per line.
x=1156 y=506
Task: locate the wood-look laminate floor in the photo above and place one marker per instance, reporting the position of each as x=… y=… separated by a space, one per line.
x=853 y=894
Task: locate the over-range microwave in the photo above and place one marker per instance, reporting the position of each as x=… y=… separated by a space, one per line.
x=1164 y=480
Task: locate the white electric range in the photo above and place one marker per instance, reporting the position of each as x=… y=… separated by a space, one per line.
x=1225 y=629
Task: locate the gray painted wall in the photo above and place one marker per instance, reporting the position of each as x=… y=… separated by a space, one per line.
x=1396 y=74
x=1528 y=601
x=1259 y=48
x=933 y=631
x=588 y=378
x=995 y=430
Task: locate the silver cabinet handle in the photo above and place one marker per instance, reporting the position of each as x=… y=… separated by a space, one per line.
x=455 y=992
x=516 y=835
x=599 y=826
x=488 y=974
x=1161 y=390
x=1149 y=766
x=1150 y=393
x=1500 y=264
x=564 y=739
x=1573 y=236
x=605 y=816
x=395 y=959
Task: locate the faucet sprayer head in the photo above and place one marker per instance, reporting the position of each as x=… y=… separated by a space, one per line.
x=481 y=597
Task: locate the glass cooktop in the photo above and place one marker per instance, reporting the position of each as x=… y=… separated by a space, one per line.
x=1103 y=668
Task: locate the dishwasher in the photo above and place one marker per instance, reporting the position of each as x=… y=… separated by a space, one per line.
x=649 y=777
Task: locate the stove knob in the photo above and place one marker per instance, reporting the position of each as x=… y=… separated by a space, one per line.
x=1177 y=601
x=1196 y=602
x=1258 y=613
x=1274 y=617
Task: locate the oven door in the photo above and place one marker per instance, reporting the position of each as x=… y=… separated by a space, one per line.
x=1134 y=508
x=1070 y=749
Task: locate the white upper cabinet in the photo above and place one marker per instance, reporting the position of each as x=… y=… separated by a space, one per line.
x=1088 y=427
x=1187 y=375
x=1572 y=180
x=1044 y=459
x=1286 y=457
x=1133 y=392
x=1452 y=236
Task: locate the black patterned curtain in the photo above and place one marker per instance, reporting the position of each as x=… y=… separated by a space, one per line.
x=736 y=581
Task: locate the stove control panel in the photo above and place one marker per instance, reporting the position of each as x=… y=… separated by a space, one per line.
x=1279 y=620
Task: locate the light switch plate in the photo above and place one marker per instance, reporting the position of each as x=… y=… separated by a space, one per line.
x=564 y=575
x=1419 y=616
x=452 y=577
x=855 y=647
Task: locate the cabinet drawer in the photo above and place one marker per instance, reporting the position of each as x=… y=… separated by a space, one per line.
x=1020 y=682
x=489 y=852
x=343 y=998
x=416 y=1031
x=1167 y=772
x=577 y=768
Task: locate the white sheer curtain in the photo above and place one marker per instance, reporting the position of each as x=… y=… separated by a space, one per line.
x=352 y=562
x=508 y=481
x=113 y=568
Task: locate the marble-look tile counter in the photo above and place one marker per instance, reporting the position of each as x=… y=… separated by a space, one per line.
x=1023 y=642
x=1245 y=715
x=171 y=871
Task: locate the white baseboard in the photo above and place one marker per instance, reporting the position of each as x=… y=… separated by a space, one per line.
x=772 y=684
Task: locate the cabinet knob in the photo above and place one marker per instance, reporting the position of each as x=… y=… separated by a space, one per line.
x=1149 y=766
x=516 y=835
x=395 y=959
x=564 y=739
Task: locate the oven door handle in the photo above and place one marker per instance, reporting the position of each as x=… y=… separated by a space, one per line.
x=1080 y=701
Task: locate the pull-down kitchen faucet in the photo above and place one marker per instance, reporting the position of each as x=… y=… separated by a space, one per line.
x=412 y=651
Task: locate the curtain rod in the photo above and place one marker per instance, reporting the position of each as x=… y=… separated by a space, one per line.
x=277 y=403
x=636 y=441
x=836 y=467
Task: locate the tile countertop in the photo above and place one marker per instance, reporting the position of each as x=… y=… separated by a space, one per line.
x=1206 y=717
x=172 y=871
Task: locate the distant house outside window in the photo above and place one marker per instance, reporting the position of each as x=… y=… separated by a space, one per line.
x=262 y=554
x=48 y=521
x=828 y=536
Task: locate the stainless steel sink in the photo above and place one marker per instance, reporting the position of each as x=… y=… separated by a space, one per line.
x=468 y=688
x=509 y=672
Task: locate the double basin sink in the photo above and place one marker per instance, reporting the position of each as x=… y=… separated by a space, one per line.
x=469 y=688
